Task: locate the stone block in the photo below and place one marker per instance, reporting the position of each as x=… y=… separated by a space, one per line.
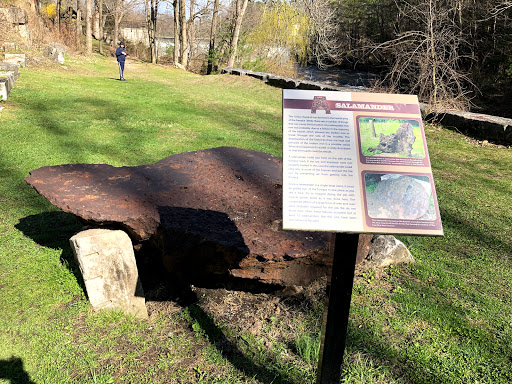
x=239 y=72
x=9 y=67
x=4 y=92
x=282 y=82
x=16 y=58
x=8 y=46
x=258 y=75
x=7 y=80
x=107 y=263
x=310 y=85
x=478 y=125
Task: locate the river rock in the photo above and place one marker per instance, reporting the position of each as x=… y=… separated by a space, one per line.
x=386 y=250
x=215 y=212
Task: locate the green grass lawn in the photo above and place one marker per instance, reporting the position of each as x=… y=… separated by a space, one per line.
x=445 y=319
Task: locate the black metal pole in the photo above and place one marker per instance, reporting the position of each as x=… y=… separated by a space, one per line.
x=337 y=307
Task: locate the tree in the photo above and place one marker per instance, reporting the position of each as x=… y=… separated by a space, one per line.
x=183 y=33
x=240 y=7
x=325 y=44
x=283 y=34
x=58 y=10
x=177 y=32
x=88 y=26
x=194 y=14
x=213 y=30
x=118 y=14
x=100 y=17
x=151 y=15
x=425 y=56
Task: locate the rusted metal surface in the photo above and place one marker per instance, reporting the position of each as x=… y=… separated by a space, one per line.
x=211 y=212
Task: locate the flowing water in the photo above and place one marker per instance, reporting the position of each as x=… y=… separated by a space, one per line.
x=337 y=77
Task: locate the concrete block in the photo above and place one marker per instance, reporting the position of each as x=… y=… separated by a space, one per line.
x=4 y=92
x=108 y=267
x=10 y=67
x=16 y=58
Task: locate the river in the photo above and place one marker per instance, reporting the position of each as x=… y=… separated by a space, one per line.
x=337 y=76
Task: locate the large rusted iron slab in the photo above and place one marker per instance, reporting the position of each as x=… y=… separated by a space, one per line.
x=210 y=212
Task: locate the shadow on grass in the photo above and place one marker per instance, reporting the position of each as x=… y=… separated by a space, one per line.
x=13 y=371
x=234 y=355
x=53 y=230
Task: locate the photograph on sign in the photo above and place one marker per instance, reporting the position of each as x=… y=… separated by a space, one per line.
x=356 y=162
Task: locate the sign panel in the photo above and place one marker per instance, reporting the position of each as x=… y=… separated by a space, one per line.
x=356 y=162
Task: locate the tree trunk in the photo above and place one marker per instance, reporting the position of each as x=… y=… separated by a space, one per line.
x=154 y=15
x=88 y=26
x=117 y=11
x=78 y=27
x=151 y=23
x=57 y=13
x=183 y=34
x=191 y=32
x=100 y=16
x=176 y=32
x=241 y=6
x=213 y=31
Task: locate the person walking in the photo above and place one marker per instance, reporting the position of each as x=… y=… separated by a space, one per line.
x=121 y=58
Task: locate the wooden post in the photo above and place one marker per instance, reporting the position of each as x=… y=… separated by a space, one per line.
x=337 y=307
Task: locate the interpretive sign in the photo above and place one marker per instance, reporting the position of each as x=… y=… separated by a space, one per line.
x=356 y=162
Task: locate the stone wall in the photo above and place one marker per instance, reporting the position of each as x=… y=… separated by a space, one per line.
x=481 y=126
x=477 y=125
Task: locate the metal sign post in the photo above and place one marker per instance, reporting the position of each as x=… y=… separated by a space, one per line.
x=337 y=307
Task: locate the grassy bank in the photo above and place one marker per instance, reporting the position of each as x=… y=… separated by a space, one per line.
x=445 y=319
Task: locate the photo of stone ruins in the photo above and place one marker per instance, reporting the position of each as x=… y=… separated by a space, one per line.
x=391 y=138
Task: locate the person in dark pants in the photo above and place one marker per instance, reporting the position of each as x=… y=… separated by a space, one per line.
x=121 y=57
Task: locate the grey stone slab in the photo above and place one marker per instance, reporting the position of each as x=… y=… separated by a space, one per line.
x=310 y=85
x=7 y=80
x=479 y=125
x=239 y=72
x=258 y=75
x=108 y=267
x=282 y=82
x=10 y=67
x=4 y=92
x=16 y=58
